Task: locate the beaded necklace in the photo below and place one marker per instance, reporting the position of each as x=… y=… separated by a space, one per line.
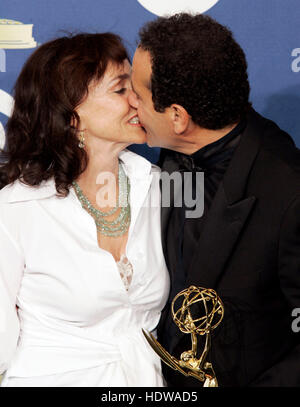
x=120 y=224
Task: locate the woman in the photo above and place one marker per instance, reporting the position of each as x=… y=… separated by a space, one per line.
x=81 y=273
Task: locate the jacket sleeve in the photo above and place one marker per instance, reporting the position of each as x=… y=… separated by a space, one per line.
x=287 y=371
x=11 y=271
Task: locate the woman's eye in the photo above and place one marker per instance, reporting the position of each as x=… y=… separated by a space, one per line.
x=121 y=91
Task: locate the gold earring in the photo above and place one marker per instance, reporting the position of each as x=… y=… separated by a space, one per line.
x=81 y=139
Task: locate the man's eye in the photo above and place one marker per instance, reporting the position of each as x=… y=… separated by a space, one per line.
x=121 y=91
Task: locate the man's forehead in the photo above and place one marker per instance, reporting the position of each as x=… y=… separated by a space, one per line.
x=141 y=66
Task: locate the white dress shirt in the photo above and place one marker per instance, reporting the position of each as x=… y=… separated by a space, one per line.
x=76 y=324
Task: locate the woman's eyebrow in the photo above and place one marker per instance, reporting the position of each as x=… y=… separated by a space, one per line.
x=121 y=77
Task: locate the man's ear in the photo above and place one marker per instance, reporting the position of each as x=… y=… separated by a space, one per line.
x=180 y=118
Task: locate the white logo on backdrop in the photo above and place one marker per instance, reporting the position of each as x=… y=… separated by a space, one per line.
x=14 y=34
x=6 y=106
x=2 y=60
x=160 y=7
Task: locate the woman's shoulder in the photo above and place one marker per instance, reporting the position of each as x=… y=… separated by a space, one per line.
x=19 y=191
x=7 y=192
x=15 y=204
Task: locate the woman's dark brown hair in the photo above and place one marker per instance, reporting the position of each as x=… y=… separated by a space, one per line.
x=40 y=141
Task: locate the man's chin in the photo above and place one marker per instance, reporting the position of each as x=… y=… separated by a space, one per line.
x=150 y=142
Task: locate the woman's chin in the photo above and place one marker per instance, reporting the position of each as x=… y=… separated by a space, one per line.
x=138 y=139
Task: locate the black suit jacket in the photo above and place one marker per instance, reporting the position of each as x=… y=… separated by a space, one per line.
x=249 y=252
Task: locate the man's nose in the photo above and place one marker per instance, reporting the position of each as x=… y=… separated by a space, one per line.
x=132 y=99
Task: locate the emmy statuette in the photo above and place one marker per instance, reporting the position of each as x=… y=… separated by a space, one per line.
x=210 y=312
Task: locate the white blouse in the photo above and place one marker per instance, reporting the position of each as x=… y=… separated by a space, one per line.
x=75 y=323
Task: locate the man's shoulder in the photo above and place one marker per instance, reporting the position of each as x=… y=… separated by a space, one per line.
x=278 y=148
x=276 y=169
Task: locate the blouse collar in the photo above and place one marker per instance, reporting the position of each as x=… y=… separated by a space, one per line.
x=136 y=167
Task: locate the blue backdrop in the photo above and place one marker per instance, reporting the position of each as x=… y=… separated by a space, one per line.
x=268 y=30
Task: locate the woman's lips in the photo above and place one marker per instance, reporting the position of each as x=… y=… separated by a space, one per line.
x=134 y=121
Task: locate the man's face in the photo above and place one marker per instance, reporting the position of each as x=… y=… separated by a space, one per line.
x=158 y=126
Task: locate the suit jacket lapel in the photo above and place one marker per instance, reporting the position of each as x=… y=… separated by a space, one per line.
x=228 y=213
x=169 y=166
x=219 y=235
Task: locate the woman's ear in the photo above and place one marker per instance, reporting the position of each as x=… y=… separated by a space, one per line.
x=180 y=118
x=75 y=120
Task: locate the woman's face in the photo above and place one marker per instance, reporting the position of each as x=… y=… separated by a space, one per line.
x=106 y=114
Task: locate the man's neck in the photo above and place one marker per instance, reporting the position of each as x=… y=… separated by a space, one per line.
x=199 y=137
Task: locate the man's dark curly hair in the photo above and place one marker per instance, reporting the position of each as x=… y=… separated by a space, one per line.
x=41 y=134
x=197 y=64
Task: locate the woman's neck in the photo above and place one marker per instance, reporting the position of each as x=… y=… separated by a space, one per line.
x=101 y=160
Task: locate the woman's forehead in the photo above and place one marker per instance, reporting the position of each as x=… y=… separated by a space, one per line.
x=113 y=75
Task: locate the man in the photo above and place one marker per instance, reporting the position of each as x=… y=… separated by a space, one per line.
x=192 y=95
